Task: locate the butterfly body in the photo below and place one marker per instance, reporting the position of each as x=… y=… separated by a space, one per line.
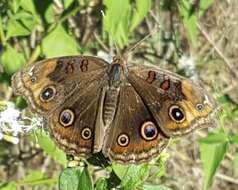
x=111 y=94
x=127 y=112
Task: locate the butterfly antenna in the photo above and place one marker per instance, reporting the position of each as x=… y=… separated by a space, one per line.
x=140 y=42
x=118 y=51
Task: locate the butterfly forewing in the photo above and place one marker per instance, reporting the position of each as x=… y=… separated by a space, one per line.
x=177 y=104
x=67 y=91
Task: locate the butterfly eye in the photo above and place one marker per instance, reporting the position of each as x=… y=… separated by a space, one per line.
x=149 y=131
x=86 y=133
x=123 y=140
x=176 y=113
x=47 y=94
x=67 y=117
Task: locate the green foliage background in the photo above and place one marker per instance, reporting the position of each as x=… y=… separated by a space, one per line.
x=31 y=30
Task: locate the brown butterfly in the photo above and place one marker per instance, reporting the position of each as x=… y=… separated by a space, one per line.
x=128 y=112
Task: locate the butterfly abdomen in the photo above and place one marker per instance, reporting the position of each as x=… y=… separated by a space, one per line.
x=111 y=97
x=109 y=106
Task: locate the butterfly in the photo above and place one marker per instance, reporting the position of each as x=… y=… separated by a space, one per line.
x=126 y=111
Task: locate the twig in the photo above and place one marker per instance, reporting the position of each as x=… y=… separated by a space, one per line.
x=100 y=42
x=229 y=65
x=227 y=178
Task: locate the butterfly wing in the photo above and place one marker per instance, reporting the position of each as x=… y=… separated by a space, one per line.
x=47 y=84
x=134 y=136
x=177 y=104
x=67 y=92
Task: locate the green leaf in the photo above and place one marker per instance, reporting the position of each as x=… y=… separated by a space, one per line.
x=20 y=102
x=20 y=24
x=234 y=139
x=33 y=176
x=230 y=110
x=11 y=60
x=116 y=21
x=101 y=184
x=190 y=21
x=85 y=181
x=2 y=34
x=131 y=176
x=15 y=5
x=142 y=8
x=120 y=170
x=29 y=6
x=191 y=26
x=16 y=28
x=49 y=147
x=26 y=19
x=45 y=10
x=69 y=179
x=159 y=167
x=213 y=149
x=204 y=5
x=9 y=186
x=67 y=3
x=155 y=187
x=59 y=43
x=214 y=138
x=75 y=179
x=5 y=78
x=50 y=14
x=36 y=178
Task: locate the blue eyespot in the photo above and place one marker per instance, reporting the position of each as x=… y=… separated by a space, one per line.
x=149 y=131
x=67 y=117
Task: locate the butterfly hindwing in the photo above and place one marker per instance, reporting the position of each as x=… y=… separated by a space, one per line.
x=134 y=136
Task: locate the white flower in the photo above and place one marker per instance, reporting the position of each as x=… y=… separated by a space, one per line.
x=12 y=123
x=187 y=63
